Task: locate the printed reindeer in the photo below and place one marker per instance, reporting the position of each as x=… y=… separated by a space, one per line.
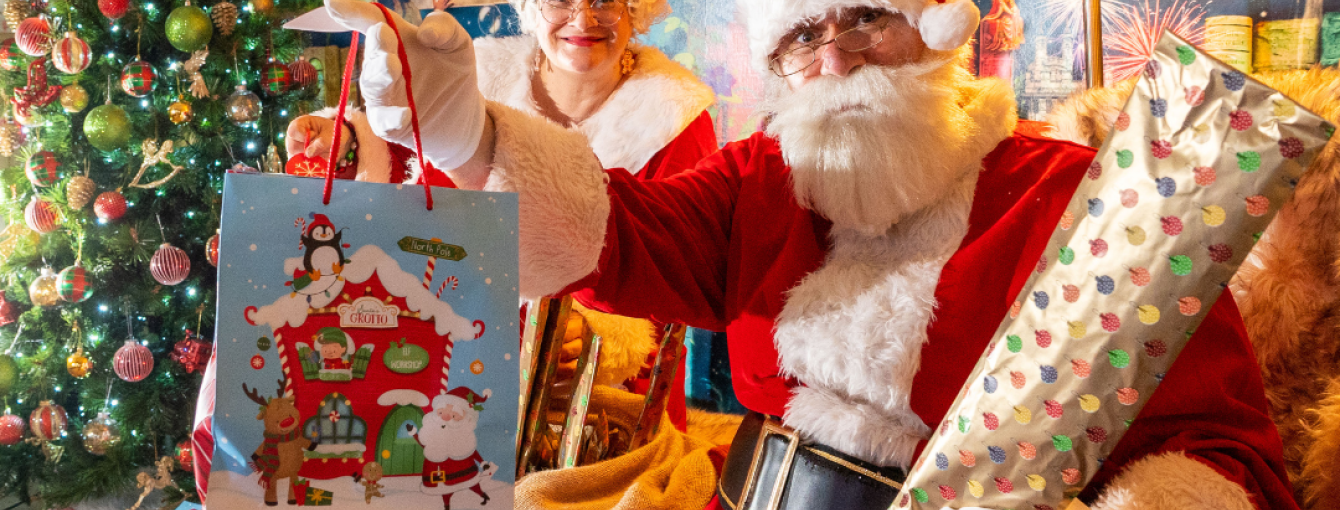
x=282 y=452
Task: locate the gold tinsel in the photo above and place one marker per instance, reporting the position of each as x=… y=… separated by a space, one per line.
x=224 y=15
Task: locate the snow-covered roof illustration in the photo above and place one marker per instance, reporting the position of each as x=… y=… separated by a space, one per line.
x=292 y=309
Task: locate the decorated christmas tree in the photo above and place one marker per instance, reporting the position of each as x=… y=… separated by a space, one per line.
x=121 y=118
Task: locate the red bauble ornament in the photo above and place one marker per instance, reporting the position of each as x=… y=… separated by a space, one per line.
x=7 y=312
x=34 y=36
x=211 y=250
x=70 y=54
x=302 y=165
x=192 y=352
x=110 y=206
x=40 y=216
x=275 y=79
x=11 y=57
x=113 y=9
x=170 y=265
x=11 y=430
x=48 y=421
x=138 y=78
x=185 y=457
x=41 y=169
x=303 y=73
x=133 y=362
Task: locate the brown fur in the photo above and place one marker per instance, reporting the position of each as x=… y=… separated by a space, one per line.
x=1288 y=289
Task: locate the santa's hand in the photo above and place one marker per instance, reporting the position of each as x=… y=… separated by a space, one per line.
x=311 y=136
x=442 y=65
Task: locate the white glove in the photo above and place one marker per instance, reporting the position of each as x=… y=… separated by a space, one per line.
x=442 y=67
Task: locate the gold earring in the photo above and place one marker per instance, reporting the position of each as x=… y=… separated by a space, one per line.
x=626 y=63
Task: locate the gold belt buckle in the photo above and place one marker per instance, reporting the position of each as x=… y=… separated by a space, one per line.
x=438 y=476
x=792 y=444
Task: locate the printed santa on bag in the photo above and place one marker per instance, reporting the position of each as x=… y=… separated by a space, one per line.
x=343 y=378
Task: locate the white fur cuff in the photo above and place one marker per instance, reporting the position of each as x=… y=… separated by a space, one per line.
x=564 y=205
x=865 y=431
x=374 y=158
x=1172 y=481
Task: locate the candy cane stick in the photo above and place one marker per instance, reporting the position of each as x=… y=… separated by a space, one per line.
x=446 y=364
x=428 y=273
x=283 y=362
x=450 y=279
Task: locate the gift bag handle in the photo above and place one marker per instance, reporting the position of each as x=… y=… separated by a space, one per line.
x=409 y=95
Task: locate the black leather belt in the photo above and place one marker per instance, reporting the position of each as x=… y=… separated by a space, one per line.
x=768 y=469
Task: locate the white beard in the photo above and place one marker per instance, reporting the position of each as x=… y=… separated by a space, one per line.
x=868 y=149
x=444 y=440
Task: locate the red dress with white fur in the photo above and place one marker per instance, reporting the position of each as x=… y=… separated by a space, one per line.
x=720 y=247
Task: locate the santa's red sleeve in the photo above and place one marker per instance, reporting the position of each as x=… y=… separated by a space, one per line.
x=1205 y=437
x=665 y=239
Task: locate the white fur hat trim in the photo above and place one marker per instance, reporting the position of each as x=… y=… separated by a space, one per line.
x=944 y=24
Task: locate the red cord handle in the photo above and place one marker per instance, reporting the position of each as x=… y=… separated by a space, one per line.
x=409 y=95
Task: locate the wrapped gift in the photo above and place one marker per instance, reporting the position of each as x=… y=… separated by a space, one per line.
x=1198 y=163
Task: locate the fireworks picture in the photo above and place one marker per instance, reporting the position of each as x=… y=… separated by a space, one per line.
x=1132 y=31
x=1067 y=16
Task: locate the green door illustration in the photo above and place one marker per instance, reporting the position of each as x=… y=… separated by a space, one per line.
x=397 y=451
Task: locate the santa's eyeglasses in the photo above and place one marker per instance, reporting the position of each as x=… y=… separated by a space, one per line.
x=799 y=49
x=605 y=12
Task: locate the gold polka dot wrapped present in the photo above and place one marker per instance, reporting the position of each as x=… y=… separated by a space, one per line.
x=1199 y=161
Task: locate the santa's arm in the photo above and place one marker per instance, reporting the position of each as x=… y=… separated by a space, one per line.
x=1205 y=439
x=628 y=240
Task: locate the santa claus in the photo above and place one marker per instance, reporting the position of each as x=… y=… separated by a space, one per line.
x=451 y=462
x=859 y=252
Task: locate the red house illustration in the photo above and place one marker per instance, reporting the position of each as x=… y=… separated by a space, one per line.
x=363 y=349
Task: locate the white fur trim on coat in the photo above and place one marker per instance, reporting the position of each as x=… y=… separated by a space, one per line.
x=852 y=331
x=767 y=21
x=653 y=105
x=562 y=198
x=1172 y=481
x=374 y=159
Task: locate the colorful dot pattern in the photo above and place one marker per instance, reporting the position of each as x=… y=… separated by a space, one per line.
x=1197 y=165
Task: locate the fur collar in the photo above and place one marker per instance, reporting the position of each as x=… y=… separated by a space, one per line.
x=652 y=106
x=852 y=331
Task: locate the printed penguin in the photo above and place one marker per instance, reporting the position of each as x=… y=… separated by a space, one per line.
x=324 y=257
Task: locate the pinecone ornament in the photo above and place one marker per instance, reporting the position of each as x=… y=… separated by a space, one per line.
x=9 y=138
x=15 y=12
x=224 y=15
x=79 y=191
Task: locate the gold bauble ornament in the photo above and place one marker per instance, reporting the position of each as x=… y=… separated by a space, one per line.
x=79 y=191
x=31 y=119
x=73 y=98
x=101 y=434
x=42 y=292
x=78 y=364
x=263 y=6
x=179 y=111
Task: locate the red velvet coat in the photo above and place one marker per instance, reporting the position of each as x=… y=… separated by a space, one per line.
x=719 y=247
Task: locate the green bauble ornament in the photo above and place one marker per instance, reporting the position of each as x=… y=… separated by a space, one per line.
x=189 y=28
x=9 y=374
x=107 y=127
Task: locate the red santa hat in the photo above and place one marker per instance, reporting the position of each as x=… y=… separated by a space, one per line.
x=944 y=24
x=462 y=396
x=318 y=220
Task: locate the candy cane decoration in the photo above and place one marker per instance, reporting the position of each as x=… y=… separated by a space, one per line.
x=446 y=364
x=428 y=273
x=283 y=362
x=450 y=279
